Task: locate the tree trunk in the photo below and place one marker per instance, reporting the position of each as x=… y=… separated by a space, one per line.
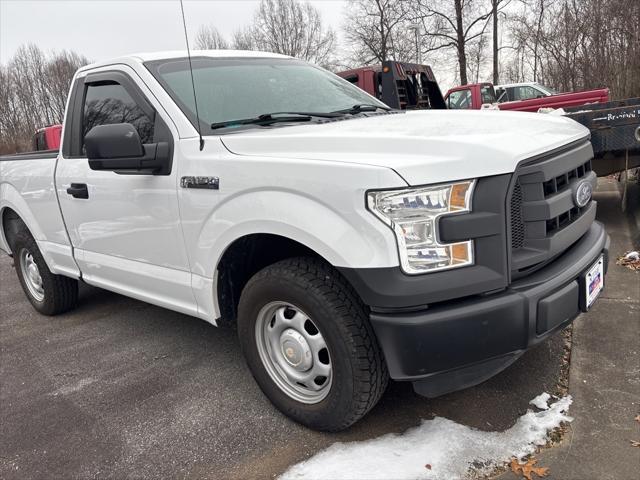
x=495 y=41
x=537 y=42
x=460 y=44
x=383 y=33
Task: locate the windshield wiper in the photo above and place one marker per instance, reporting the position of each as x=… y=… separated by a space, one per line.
x=269 y=118
x=362 y=107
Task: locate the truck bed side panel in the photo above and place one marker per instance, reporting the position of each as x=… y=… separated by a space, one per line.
x=26 y=187
x=561 y=100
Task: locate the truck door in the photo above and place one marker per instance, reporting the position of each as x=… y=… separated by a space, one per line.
x=124 y=227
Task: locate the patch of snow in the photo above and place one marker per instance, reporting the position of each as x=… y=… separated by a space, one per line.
x=632 y=256
x=73 y=388
x=437 y=449
x=552 y=111
x=541 y=401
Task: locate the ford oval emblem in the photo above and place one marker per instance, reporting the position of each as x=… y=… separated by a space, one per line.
x=583 y=193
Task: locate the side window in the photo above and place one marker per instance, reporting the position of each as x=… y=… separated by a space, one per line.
x=352 y=79
x=539 y=93
x=501 y=93
x=487 y=94
x=39 y=141
x=108 y=103
x=460 y=99
x=511 y=94
x=525 y=93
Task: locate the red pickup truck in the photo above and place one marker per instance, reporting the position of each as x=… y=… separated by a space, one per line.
x=47 y=138
x=474 y=96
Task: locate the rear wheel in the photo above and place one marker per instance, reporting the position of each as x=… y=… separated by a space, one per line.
x=308 y=342
x=49 y=294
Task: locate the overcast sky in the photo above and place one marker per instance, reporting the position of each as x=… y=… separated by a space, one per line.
x=101 y=29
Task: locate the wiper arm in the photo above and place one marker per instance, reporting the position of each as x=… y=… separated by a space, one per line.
x=311 y=114
x=362 y=107
x=269 y=118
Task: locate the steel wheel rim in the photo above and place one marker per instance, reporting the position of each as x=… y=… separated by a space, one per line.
x=31 y=275
x=294 y=352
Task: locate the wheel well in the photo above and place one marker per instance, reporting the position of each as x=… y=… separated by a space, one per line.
x=11 y=225
x=244 y=258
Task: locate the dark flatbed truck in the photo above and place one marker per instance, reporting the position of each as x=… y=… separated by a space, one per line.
x=615 y=133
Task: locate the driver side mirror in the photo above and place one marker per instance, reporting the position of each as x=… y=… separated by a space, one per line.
x=117 y=147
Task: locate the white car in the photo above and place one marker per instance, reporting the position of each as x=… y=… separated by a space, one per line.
x=348 y=242
x=521 y=91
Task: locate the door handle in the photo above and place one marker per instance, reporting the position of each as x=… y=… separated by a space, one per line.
x=78 y=190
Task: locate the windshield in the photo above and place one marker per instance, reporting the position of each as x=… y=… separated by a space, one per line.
x=548 y=90
x=230 y=89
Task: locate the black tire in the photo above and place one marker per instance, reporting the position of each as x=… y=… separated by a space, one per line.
x=359 y=373
x=60 y=293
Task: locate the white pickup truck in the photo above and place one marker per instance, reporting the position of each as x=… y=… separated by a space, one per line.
x=348 y=242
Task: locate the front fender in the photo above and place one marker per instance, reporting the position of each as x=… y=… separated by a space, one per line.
x=349 y=237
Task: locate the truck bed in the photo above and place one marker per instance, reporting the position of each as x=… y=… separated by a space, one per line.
x=615 y=133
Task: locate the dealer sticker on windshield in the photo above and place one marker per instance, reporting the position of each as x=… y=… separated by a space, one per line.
x=594 y=281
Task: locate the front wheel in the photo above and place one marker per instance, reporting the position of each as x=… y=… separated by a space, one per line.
x=308 y=342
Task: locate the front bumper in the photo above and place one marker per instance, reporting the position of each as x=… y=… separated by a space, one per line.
x=460 y=343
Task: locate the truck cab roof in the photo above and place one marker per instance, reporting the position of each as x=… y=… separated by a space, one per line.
x=169 y=54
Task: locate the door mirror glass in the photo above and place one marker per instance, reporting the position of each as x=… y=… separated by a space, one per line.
x=117 y=140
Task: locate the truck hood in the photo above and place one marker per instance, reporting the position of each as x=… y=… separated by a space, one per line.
x=422 y=147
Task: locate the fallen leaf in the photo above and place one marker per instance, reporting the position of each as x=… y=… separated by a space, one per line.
x=428 y=466
x=635 y=443
x=526 y=469
x=637 y=419
x=629 y=260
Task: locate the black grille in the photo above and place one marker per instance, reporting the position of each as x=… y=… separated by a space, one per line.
x=543 y=216
x=517 y=224
x=561 y=182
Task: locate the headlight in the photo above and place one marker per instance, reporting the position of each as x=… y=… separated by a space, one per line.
x=413 y=214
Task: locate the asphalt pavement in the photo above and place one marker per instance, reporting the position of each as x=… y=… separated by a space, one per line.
x=604 y=377
x=121 y=389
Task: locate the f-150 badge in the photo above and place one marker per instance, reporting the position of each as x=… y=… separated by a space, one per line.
x=209 y=183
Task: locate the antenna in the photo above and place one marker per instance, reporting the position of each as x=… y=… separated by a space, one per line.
x=193 y=84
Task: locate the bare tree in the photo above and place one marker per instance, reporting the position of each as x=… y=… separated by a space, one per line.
x=571 y=44
x=243 y=39
x=59 y=71
x=476 y=57
x=33 y=93
x=209 y=38
x=291 y=28
x=454 y=25
x=379 y=30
